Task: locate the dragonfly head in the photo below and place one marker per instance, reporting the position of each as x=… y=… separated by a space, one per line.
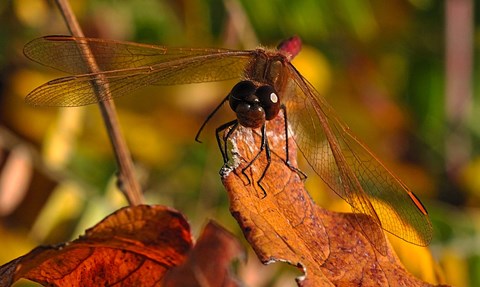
x=254 y=104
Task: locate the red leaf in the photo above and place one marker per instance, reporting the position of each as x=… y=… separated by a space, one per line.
x=134 y=246
x=208 y=262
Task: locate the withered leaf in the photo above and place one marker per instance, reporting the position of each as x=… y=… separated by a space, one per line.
x=284 y=224
x=134 y=246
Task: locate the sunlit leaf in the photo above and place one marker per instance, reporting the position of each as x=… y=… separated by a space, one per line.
x=285 y=224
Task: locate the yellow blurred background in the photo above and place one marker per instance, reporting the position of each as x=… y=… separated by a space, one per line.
x=389 y=69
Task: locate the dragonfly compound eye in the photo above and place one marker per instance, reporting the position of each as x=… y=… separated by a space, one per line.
x=245 y=103
x=269 y=100
x=240 y=92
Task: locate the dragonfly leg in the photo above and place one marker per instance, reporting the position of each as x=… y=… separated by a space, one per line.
x=223 y=147
x=300 y=173
x=269 y=160
x=210 y=116
x=263 y=146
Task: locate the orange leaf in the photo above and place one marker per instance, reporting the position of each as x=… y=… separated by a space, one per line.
x=134 y=246
x=285 y=224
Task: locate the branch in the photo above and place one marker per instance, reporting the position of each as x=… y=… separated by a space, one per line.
x=126 y=175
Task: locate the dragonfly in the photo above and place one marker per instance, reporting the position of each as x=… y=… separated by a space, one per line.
x=268 y=83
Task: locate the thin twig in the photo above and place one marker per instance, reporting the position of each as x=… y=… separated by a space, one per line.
x=126 y=175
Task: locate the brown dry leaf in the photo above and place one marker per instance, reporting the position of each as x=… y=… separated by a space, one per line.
x=134 y=246
x=286 y=225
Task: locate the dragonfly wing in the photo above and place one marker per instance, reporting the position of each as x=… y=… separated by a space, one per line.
x=349 y=168
x=80 y=90
x=67 y=53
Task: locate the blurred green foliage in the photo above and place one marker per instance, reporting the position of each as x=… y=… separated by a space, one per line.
x=380 y=64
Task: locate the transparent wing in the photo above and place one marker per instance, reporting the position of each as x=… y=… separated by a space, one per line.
x=64 y=53
x=349 y=168
x=125 y=67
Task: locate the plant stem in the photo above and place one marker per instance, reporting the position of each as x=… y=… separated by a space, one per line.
x=126 y=176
